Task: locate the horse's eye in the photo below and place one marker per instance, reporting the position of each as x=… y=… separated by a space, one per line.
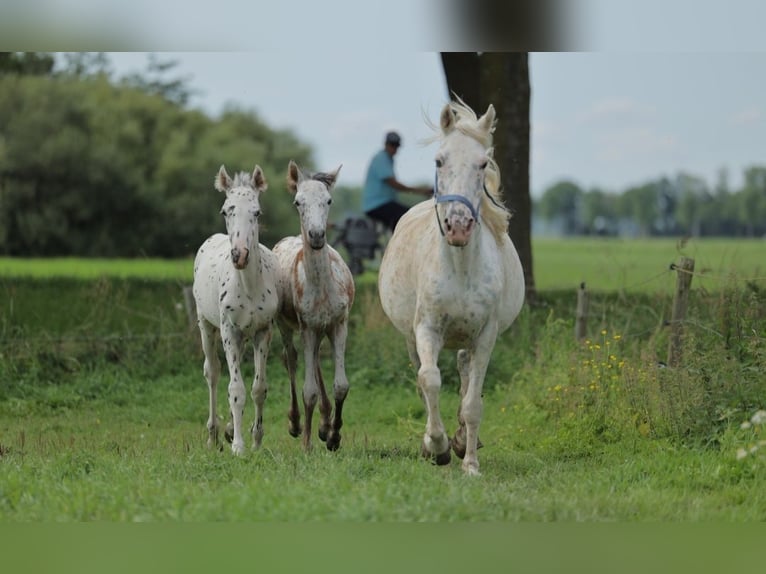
x=439 y=162
x=483 y=165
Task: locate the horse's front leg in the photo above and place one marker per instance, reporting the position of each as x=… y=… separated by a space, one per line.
x=311 y=340
x=261 y=343
x=340 y=382
x=233 y=344
x=435 y=441
x=471 y=406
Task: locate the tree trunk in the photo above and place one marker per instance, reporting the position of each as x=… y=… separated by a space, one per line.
x=502 y=79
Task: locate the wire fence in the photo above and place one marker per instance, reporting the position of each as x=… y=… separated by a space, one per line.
x=10 y=339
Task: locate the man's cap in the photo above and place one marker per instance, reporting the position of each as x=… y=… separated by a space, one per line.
x=392 y=138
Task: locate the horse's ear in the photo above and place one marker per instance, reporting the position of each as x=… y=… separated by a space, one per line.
x=222 y=180
x=332 y=177
x=294 y=177
x=487 y=121
x=259 y=180
x=447 y=119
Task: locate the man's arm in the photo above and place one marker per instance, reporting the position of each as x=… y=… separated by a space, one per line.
x=399 y=186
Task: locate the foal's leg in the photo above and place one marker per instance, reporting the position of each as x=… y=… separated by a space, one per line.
x=233 y=346
x=212 y=371
x=471 y=406
x=340 y=382
x=311 y=342
x=261 y=343
x=435 y=441
x=290 y=359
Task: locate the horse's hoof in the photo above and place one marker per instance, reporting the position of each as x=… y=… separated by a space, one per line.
x=443 y=458
x=457 y=447
x=333 y=441
x=322 y=432
x=438 y=459
x=294 y=430
x=228 y=433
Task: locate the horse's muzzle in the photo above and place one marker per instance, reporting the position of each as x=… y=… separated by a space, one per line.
x=458 y=230
x=240 y=257
x=317 y=239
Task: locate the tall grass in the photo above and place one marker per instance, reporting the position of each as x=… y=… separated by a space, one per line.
x=103 y=406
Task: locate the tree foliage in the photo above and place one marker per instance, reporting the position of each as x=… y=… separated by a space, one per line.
x=683 y=205
x=92 y=166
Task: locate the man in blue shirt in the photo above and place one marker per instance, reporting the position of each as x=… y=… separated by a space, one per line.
x=380 y=187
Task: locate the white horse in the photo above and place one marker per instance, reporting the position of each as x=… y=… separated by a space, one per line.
x=236 y=294
x=451 y=278
x=316 y=291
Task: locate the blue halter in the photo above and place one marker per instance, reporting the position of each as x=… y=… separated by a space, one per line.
x=452 y=197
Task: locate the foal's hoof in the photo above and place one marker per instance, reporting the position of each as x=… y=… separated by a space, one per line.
x=295 y=431
x=333 y=441
x=323 y=432
x=438 y=459
x=228 y=432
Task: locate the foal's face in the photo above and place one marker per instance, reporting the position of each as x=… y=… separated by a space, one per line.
x=460 y=165
x=312 y=199
x=241 y=211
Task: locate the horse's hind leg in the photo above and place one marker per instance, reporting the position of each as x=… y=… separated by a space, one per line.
x=261 y=354
x=290 y=359
x=463 y=368
x=340 y=383
x=212 y=371
x=471 y=404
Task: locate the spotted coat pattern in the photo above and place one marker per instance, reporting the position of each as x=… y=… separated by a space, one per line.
x=235 y=289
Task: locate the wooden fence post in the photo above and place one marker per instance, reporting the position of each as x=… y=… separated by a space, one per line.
x=684 y=274
x=581 y=316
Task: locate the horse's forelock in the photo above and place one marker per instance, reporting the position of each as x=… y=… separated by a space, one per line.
x=328 y=179
x=242 y=179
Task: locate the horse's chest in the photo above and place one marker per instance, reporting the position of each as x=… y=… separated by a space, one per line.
x=250 y=312
x=460 y=309
x=321 y=307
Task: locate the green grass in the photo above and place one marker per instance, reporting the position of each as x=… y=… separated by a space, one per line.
x=643 y=265
x=606 y=265
x=103 y=408
x=84 y=268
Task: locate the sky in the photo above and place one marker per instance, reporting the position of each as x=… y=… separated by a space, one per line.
x=607 y=120
x=625 y=92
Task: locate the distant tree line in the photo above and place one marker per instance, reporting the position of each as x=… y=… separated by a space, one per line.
x=92 y=165
x=683 y=205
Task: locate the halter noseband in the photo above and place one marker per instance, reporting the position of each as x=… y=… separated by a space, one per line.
x=460 y=199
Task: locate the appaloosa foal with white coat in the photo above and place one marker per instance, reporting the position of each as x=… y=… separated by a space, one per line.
x=236 y=294
x=316 y=291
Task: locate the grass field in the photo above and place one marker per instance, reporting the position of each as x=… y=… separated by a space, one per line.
x=606 y=265
x=103 y=404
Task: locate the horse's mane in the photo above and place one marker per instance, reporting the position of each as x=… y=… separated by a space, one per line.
x=493 y=212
